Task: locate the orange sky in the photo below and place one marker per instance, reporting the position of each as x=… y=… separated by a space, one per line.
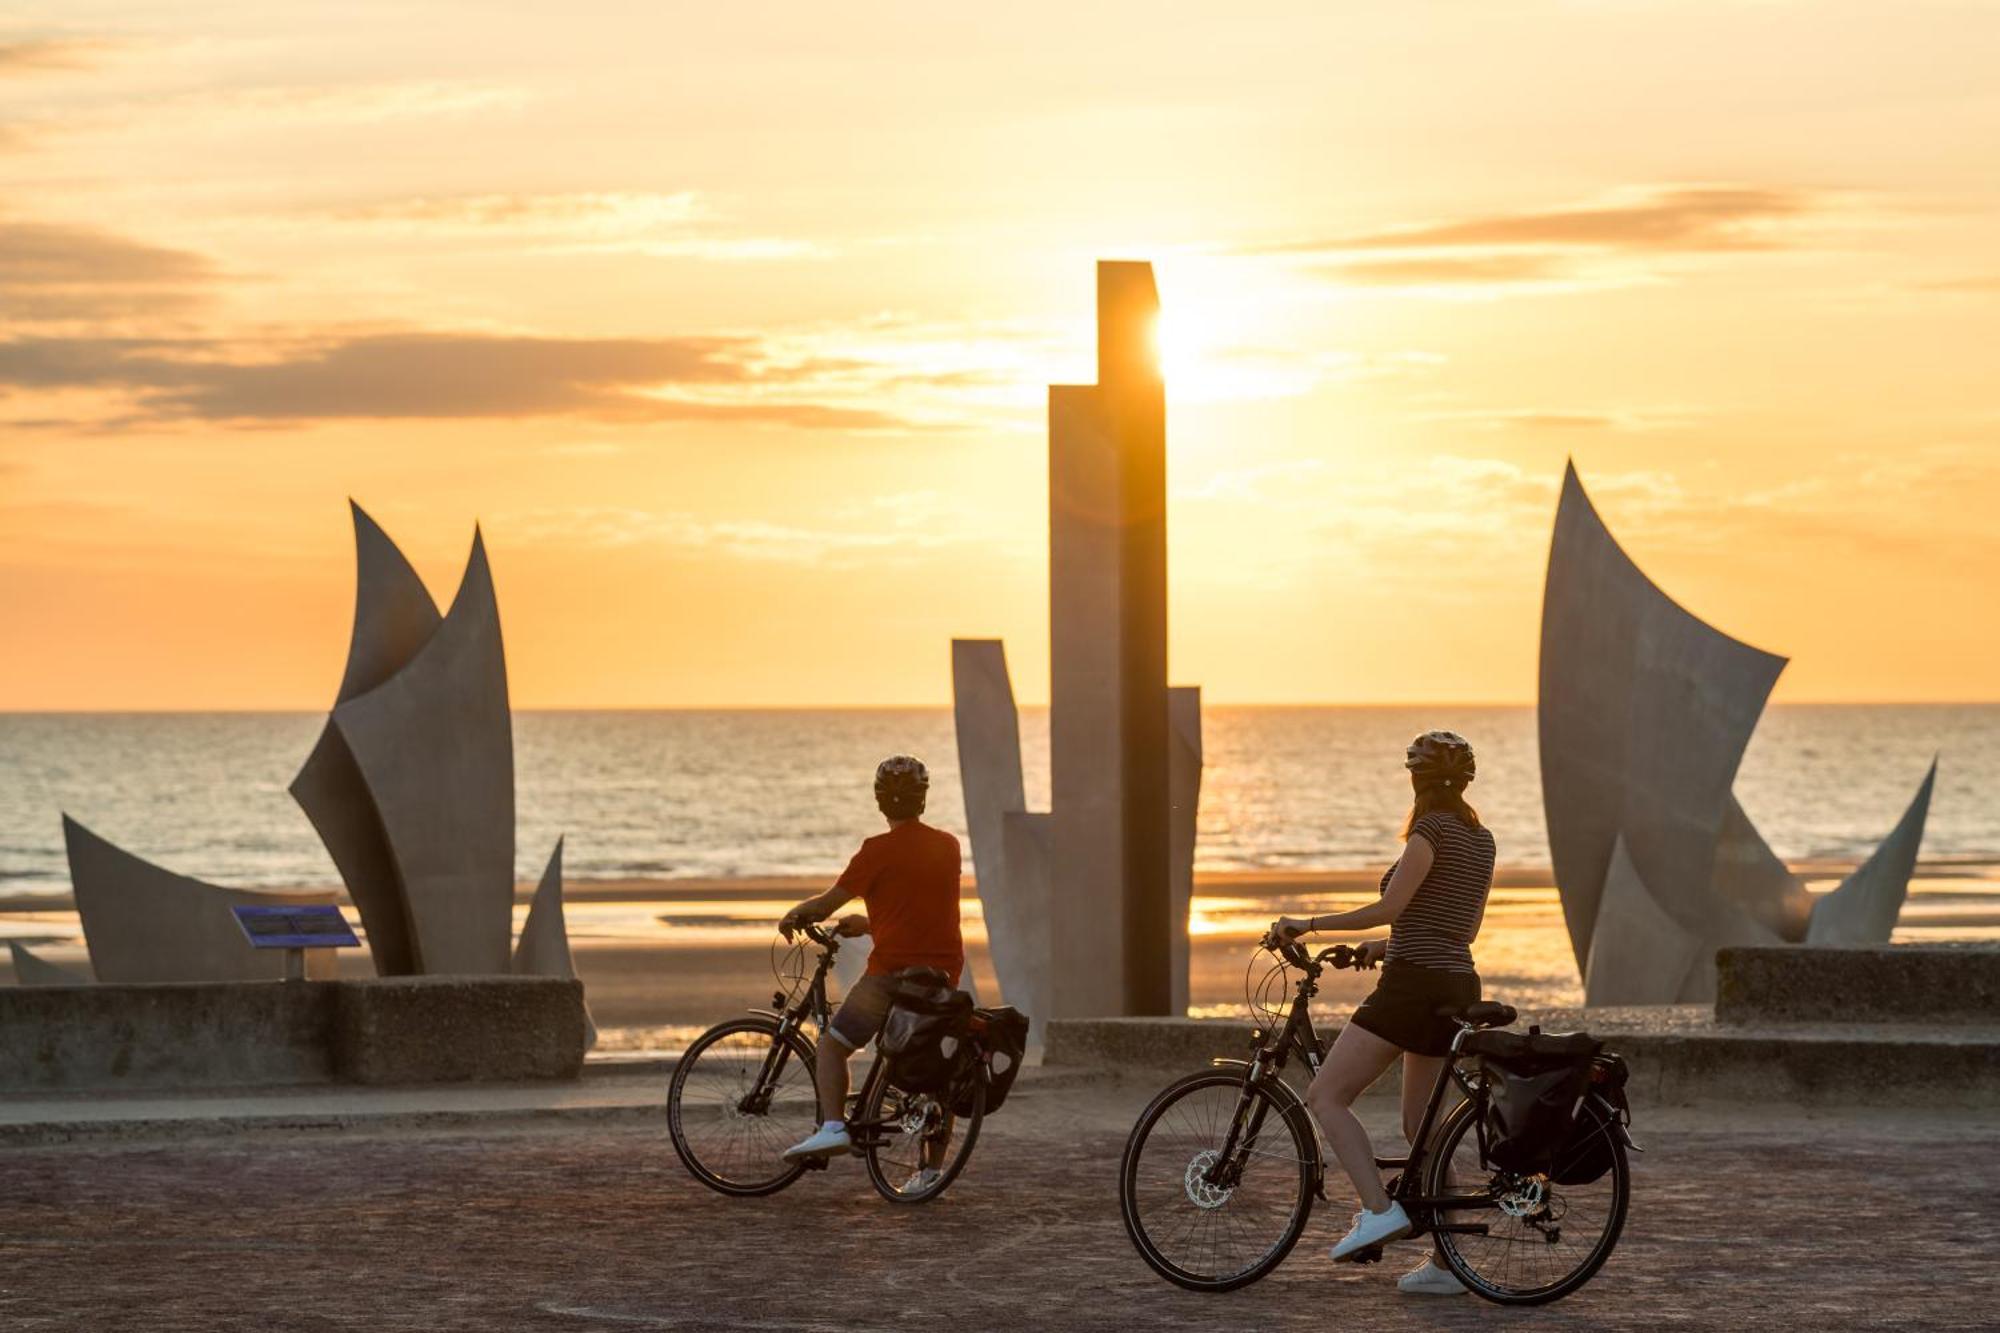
x=731 y=324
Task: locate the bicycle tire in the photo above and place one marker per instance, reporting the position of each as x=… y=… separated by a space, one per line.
x=1453 y=1247
x=880 y=1089
x=710 y=1173
x=1134 y=1210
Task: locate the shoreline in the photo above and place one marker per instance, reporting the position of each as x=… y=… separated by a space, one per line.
x=1213 y=883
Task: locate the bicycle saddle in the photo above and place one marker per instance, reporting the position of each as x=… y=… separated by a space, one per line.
x=1482 y=1013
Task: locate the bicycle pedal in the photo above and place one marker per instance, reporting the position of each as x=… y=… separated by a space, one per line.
x=816 y=1163
x=1370 y=1254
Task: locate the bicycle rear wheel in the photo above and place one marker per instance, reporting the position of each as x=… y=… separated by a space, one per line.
x=732 y=1110
x=915 y=1145
x=1215 y=1230
x=1544 y=1240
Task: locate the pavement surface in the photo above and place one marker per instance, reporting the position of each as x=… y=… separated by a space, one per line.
x=1784 y=1218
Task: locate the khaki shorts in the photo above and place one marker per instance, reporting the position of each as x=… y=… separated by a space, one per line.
x=863 y=1011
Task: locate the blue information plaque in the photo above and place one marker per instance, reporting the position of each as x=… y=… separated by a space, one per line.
x=276 y=927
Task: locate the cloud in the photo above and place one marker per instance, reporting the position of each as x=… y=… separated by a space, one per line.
x=1984 y=282
x=618 y=212
x=50 y=271
x=434 y=375
x=1564 y=419
x=744 y=539
x=46 y=54
x=1443 y=270
x=1665 y=221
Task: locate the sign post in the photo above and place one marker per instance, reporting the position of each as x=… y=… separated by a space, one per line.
x=295 y=929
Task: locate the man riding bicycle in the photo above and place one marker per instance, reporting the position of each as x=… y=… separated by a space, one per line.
x=908 y=878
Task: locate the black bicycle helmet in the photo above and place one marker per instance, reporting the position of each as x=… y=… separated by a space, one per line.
x=902 y=784
x=1443 y=758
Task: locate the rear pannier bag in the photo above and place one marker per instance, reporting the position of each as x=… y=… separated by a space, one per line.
x=1586 y=1155
x=1537 y=1082
x=924 y=1036
x=1005 y=1040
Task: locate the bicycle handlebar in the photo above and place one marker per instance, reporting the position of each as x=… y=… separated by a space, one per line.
x=1340 y=955
x=811 y=930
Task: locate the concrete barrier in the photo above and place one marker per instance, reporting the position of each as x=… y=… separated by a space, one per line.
x=1679 y=1055
x=274 y=1033
x=459 y=1029
x=1891 y=983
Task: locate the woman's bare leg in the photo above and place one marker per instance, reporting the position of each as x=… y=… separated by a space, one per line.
x=1357 y=1059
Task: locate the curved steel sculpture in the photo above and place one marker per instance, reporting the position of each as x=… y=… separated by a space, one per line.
x=1013 y=891
x=434 y=745
x=1644 y=715
x=394 y=618
x=543 y=949
x=143 y=923
x=1013 y=847
x=1863 y=909
x=30 y=969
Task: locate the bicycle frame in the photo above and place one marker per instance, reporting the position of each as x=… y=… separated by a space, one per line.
x=1300 y=1036
x=813 y=1005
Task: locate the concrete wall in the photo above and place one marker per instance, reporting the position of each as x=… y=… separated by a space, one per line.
x=1902 y=983
x=268 y=1033
x=1677 y=1055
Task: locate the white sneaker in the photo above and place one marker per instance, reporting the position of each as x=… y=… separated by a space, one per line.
x=921 y=1180
x=1392 y=1223
x=1430 y=1278
x=823 y=1142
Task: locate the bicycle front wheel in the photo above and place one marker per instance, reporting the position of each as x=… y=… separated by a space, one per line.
x=740 y=1096
x=1218 y=1180
x=1543 y=1239
x=916 y=1145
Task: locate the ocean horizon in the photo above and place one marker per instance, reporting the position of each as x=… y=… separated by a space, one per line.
x=729 y=793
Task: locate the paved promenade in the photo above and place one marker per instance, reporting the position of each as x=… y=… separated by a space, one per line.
x=1825 y=1219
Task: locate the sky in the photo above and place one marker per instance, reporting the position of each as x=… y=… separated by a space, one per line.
x=731 y=326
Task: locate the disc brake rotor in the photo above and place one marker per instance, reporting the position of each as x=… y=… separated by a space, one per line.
x=1526 y=1198
x=1200 y=1192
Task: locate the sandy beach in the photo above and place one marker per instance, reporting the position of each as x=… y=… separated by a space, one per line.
x=663 y=959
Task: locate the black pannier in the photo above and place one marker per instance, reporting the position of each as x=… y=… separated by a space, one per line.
x=1537 y=1081
x=924 y=1036
x=1586 y=1155
x=1005 y=1040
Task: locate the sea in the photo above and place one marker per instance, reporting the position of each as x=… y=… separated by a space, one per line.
x=675 y=794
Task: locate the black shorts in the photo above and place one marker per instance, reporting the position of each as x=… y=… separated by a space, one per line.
x=1403 y=1008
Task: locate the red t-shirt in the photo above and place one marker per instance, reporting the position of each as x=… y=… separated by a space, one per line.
x=908 y=877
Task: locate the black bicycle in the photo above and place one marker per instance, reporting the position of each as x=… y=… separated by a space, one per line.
x=1221 y=1171
x=745 y=1091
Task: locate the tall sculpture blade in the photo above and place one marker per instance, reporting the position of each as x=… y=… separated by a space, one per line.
x=543 y=949
x=1108 y=667
x=1638 y=954
x=1184 y=782
x=1749 y=875
x=33 y=970
x=1644 y=715
x=1863 y=910
x=142 y=923
x=989 y=766
x=434 y=745
x=394 y=618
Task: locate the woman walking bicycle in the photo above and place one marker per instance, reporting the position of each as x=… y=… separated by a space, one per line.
x=1432 y=899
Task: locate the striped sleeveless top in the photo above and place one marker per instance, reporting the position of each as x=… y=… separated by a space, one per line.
x=1436 y=929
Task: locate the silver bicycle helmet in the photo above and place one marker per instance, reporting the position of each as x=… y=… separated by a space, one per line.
x=1442 y=757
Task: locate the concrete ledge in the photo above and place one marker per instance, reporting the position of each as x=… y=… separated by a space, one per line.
x=1678 y=1055
x=278 y=1033
x=55 y=1038
x=1897 y=983
x=459 y=1029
